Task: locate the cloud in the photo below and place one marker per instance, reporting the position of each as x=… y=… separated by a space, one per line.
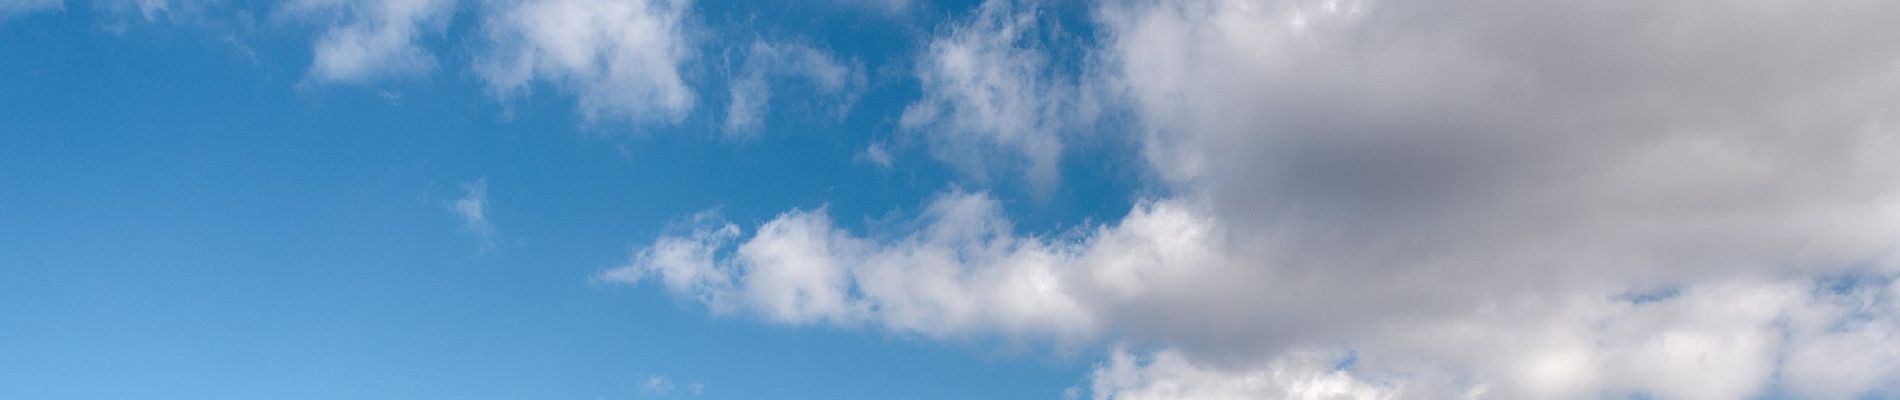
x=892 y=7
x=994 y=102
x=1439 y=199
x=369 y=39
x=963 y=273
x=767 y=62
x=657 y=384
x=473 y=208
x=1400 y=167
x=621 y=58
x=1168 y=375
x=663 y=386
x=1420 y=159
x=1719 y=340
x=10 y=9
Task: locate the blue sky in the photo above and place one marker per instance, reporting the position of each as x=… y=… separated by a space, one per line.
x=185 y=221
x=554 y=199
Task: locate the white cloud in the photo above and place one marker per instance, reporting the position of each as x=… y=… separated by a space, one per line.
x=1474 y=198
x=622 y=58
x=766 y=63
x=12 y=8
x=369 y=39
x=473 y=208
x=1168 y=375
x=964 y=273
x=994 y=102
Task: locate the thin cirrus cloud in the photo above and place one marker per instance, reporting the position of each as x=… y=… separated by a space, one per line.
x=1400 y=200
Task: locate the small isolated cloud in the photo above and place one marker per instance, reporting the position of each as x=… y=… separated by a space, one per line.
x=473 y=208
x=877 y=154
x=622 y=59
x=369 y=39
x=658 y=385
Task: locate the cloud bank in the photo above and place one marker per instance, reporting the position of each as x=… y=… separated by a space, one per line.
x=1439 y=199
x=1343 y=199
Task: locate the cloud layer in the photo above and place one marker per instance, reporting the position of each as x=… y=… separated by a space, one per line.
x=1341 y=198
x=1399 y=199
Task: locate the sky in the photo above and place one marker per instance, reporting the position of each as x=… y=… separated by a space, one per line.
x=994 y=199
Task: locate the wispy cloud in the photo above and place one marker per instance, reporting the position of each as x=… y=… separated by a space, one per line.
x=658 y=385
x=12 y=8
x=473 y=208
x=370 y=39
x=622 y=59
x=836 y=83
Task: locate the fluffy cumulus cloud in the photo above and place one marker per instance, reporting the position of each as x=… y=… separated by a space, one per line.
x=1423 y=199
x=366 y=39
x=768 y=63
x=995 y=101
x=622 y=58
x=963 y=272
